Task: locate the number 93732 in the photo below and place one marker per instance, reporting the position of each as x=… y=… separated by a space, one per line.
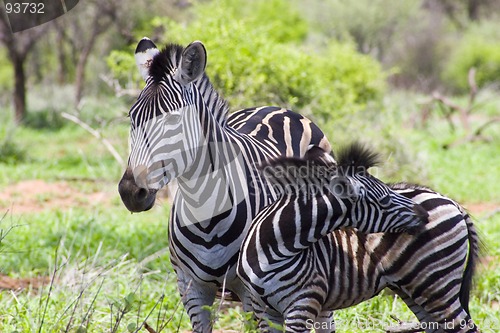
x=25 y=8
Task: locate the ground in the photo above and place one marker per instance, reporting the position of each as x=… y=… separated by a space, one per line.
x=32 y=196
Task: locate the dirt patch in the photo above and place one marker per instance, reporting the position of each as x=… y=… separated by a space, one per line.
x=483 y=208
x=17 y=284
x=33 y=196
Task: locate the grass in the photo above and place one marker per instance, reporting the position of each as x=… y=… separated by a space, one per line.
x=109 y=271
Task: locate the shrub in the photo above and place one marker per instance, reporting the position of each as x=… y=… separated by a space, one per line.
x=46 y=119
x=254 y=59
x=479 y=48
x=10 y=152
x=122 y=66
x=374 y=25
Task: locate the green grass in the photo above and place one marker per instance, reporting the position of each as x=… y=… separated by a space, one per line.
x=69 y=152
x=467 y=172
x=111 y=269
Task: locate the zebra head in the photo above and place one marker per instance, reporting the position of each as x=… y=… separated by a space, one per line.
x=375 y=207
x=166 y=130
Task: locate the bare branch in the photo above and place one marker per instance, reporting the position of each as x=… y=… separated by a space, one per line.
x=95 y=133
x=117 y=88
x=481 y=128
x=149 y=328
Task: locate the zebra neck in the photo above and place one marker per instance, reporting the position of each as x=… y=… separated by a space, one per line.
x=216 y=186
x=213 y=102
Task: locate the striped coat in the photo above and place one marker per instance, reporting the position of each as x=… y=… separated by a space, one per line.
x=431 y=270
x=180 y=129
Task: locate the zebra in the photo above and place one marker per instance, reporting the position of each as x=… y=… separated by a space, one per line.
x=181 y=129
x=297 y=277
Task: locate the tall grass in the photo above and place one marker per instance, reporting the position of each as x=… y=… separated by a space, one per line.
x=109 y=271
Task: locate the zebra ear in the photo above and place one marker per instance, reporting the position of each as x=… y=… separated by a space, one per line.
x=144 y=54
x=193 y=63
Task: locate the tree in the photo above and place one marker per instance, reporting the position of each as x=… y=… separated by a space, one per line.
x=19 y=45
x=95 y=19
x=81 y=29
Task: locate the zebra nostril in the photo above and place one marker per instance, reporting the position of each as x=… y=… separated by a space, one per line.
x=142 y=194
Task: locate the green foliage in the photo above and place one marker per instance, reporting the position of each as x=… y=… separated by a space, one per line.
x=122 y=65
x=253 y=65
x=479 y=48
x=254 y=59
x=47 y=119
x=372 y=24
x=10 y=151
x=69 y=152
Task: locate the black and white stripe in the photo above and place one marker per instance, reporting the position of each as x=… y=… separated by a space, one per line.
x=296 y=278
x=180 y=128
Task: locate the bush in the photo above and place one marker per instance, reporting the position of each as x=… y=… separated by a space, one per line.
x=374 y=25
x=46 y=119
x=479 y=48
x=253 y=58
x=123 y=67
x=10 y=152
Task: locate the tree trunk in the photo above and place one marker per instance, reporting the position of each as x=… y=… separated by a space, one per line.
x=19 y=89
x=80 y=70
x=473 y=9
x=82 y=61
x=61 y=57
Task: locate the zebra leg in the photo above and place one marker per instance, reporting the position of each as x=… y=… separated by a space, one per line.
x=325 y=323
x=302 y=316
x=197 y=299
x=423 y=317
x=267 y=322
x=452 y=319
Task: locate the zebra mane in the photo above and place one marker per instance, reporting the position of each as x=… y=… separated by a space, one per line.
x=167 y=61
x=356 y=157
x=408 y=186
x=318 y=167
x=314 y=167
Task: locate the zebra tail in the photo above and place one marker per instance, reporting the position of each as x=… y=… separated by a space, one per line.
x=475 y=245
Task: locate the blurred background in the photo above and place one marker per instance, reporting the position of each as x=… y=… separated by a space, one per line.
x=419 y=80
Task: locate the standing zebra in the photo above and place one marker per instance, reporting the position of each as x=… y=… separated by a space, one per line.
x=298 y=277
x=180 y=129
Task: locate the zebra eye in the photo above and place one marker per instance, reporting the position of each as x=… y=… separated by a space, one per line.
x=386 y=200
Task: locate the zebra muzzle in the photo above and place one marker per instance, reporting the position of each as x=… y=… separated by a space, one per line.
x=422 y=217
x=135 y=194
